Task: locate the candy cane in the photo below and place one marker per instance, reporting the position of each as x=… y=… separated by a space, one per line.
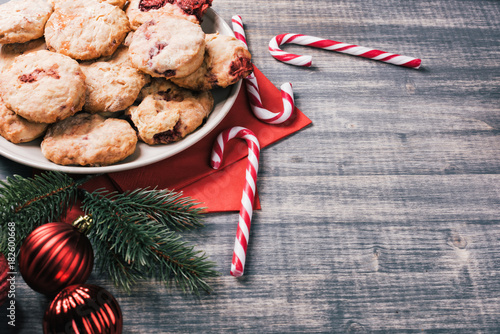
x=239 y=31
x=326 y=44
x=247 y=199
x=252 y=87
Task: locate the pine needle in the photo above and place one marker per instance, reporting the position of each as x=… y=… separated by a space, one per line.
x=167 y=207
x=134 y=236
x=31 y=202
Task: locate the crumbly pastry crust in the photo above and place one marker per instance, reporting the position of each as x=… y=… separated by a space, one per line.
x=86 y=29
x=141 y=11
x=153 y=116
x=43 y=86
x=113 y=84
x=201 y=79
x=226 y=61
x=17 y=129
x=169 y=47
x=8 y=52
x=89 y=140
x=22 y=21
x=169 y=113
x=118 y=3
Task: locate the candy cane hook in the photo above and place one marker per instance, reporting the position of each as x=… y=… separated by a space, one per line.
x=248 y=196
x=327 y=44
x=252 y=87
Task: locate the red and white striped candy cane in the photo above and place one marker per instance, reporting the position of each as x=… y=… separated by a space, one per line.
x=326 y=44
x=238 y=30
x=252 y=87
x=248 y=196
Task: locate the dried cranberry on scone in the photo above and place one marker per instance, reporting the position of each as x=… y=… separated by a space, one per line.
x=140 y=11
x=43 y=86
x=168 y=113
x=168 y=47
x=227 y=60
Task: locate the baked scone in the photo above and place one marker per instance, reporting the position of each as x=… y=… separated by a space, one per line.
x=113 y=84
x=119 y=3
x=16 y=129
x=169 y=113
x=227 y=60
x=22 y=21
x=89 y=140
x=43 y=86
x=154 y=119
x=170 y=47
x=86 y=29
x=8 y=52
x=140 y=11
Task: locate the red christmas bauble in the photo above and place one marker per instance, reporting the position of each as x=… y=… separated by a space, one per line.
x=4 y=284
x=54 y=256
x=83 y=308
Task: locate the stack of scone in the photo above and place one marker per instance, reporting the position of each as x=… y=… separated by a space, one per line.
x=94 y=77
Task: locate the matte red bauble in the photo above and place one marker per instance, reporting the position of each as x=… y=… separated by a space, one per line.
x=83 y=308
x=4 y=284
x=54 y=256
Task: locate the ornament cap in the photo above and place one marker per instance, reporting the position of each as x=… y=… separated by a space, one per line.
x=83 y=223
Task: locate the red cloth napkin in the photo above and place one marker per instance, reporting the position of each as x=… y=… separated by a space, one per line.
x=189 y=171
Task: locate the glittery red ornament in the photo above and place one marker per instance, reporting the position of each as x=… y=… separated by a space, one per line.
x=4 y=284
x=83 y=308
x=54 y=256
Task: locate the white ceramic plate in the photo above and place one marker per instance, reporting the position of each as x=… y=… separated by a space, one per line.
x=30 y=154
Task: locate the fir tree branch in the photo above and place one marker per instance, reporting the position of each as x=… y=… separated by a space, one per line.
x=133 y=234
x=167 y=207
x=137 y=241
x=30 y=202
x=111 y=263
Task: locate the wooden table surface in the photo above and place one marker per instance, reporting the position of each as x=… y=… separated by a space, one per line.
x=384 y=214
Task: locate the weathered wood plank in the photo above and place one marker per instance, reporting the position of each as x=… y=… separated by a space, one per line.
x=383 y=216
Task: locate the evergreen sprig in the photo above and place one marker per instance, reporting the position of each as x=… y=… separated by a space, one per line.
x=133 y=238
x=165 y=206
x=30 y=202
x=134 y=234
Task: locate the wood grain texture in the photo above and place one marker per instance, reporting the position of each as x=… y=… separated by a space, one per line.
x=384 y=215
